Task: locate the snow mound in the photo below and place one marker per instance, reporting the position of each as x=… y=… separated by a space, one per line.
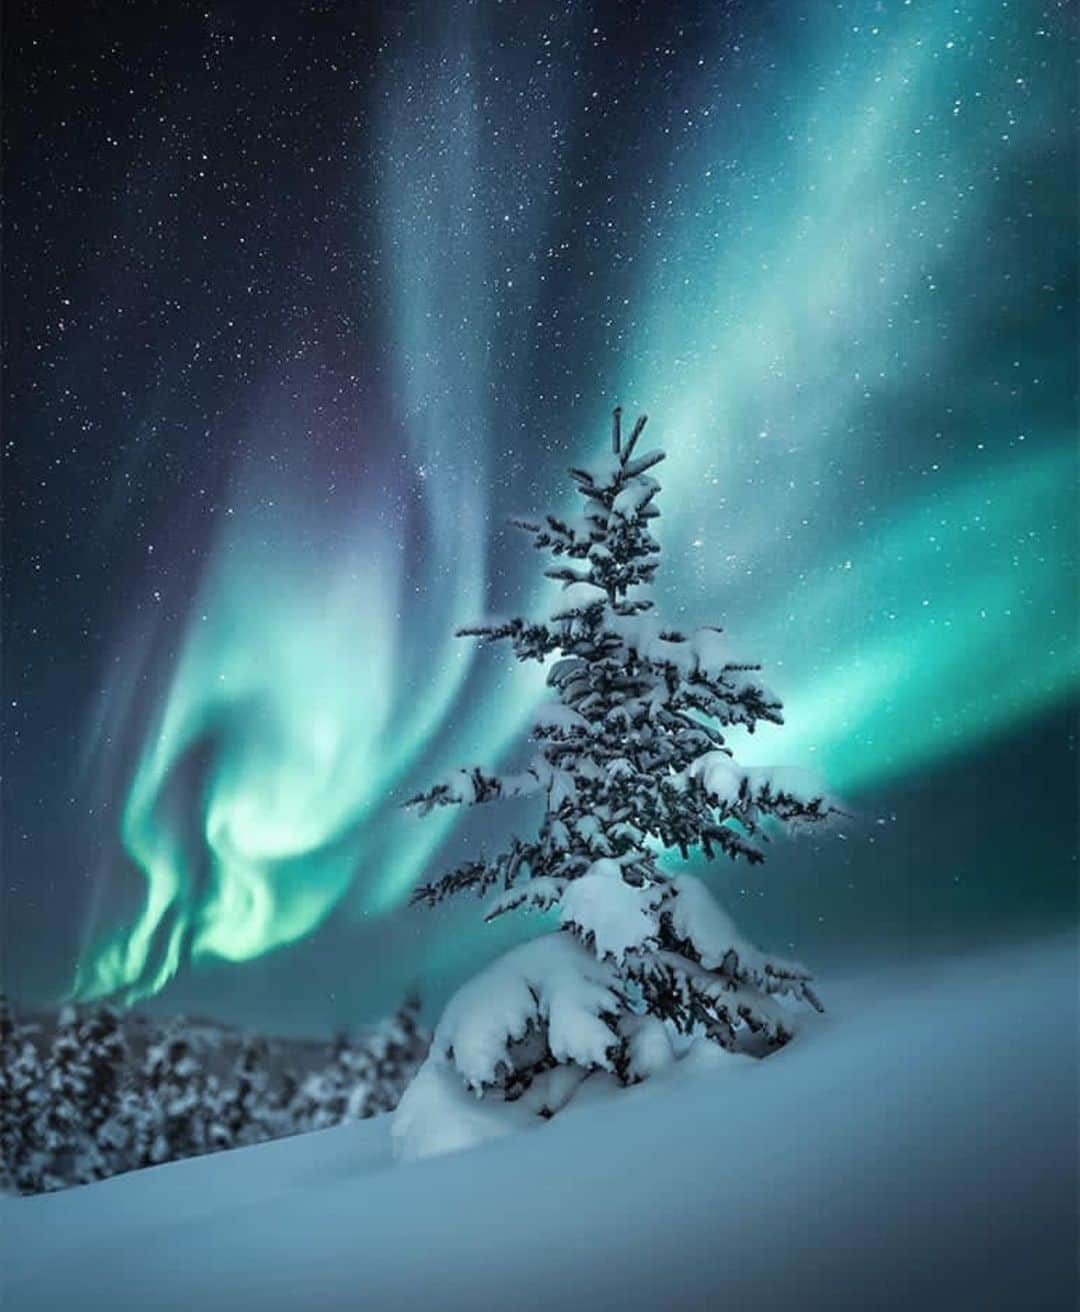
x=917 y=1148
x=438 y=1115
x=551 y=983
x=697 y=917
x=618 y=917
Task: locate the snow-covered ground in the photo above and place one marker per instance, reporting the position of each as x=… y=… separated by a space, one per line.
x=914 y=1148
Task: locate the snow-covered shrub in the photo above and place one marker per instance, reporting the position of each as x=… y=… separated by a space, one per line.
x=631 y=759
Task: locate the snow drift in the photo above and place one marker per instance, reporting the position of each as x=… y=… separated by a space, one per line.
x=916 y=1148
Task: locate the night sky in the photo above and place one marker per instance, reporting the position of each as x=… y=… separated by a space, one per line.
x=302 y=300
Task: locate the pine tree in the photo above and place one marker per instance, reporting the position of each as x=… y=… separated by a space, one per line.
x=26 y=1155
x=631 y=758
x=394 y=1053
x=283 y=1104
x=23 y=1161
x=328 y=1095
x=364 y=1076
x=62 y=1122
x=105 y=1111
x=177 y=1104
x=245 y=1112
x=8 y=1138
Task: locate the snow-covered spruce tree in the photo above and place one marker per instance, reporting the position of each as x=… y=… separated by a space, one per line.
x=23 y=1160
x=631 y=759
x=325 y=1095
x=394 y=1052
x=178 y=1101
x=78 y=1119
x=245 y=1113
x=62 y=1123
x=105 y=1112
x=283 y=1104
x=8 y=1132
x=364 y=1076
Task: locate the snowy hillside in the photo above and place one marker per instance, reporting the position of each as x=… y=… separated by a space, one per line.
x=915 y=1147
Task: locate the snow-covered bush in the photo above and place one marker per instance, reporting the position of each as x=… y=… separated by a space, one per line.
x=631 y=759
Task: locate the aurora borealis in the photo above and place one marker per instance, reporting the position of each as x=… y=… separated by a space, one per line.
x=300 y=308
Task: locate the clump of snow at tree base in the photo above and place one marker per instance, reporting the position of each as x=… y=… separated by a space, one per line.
x=917 y=1148
x=631 y=760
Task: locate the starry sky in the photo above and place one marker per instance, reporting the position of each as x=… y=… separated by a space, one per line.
x=303 y=300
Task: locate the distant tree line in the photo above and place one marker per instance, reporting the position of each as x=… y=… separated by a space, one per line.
x=100 y=1093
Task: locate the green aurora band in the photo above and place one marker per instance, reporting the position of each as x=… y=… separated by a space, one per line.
x=773 y=326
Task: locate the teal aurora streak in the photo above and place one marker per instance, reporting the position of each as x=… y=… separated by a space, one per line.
x=795 y=286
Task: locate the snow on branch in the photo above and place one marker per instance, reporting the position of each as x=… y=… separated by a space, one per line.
x=551 y=987
x=471 y=786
